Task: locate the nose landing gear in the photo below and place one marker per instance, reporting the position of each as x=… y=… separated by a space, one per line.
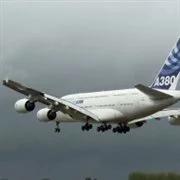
x=57 y=128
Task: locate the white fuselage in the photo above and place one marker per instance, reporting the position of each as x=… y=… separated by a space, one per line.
x=120 y=105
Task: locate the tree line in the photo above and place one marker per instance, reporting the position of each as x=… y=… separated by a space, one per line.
x=150 y=176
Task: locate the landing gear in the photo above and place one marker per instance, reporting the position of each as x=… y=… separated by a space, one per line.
x=87 y=127
x=57 y=129
x=104 y=127
x=122 y=128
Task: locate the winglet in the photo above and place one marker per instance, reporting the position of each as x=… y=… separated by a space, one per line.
x=5 y=81
x=154 y=94
x=21 y=88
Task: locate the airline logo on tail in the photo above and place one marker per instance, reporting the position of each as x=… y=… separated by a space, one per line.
x=170 y=72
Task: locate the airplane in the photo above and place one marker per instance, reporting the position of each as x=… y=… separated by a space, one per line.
x=119 y=110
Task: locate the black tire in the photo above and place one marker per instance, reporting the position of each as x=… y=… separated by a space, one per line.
x=119 y=130
x=83 y=128
x=90 y=126
x=127 y=129
x=114 y=130
x=87 y=127
x=109 y=126
x=106 y=128
x=57 y=130
x=124 y=130
x=98 y=129
x=103 y=129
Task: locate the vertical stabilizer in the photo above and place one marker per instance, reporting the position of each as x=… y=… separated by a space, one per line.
x=170 y=72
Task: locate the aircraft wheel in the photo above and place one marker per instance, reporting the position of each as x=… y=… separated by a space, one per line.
x=90 y=126
x=103 y=129
x=109 y=126
x=124 y=130
x=114 y=130
x=119 y=129
x=98 y=129
x=87 y=128
x=57 y=130
x=83 y=128
x=128 y=129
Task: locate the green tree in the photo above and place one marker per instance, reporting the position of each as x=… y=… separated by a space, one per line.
x=160 y=176
x=88 y=178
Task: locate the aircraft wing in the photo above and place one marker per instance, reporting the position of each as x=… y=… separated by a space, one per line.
x=55 y=103
x=158 y=115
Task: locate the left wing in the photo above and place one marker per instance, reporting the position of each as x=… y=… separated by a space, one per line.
x=158 y=115
x=55 y=103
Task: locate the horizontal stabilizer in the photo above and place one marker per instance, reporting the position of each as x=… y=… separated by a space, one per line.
x=154 y=94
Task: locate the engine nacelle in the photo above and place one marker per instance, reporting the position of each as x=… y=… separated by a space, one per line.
x=174 y=120
x=46 y=115
x=24 y=106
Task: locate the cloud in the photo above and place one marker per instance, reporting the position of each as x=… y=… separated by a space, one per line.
x=63 y=48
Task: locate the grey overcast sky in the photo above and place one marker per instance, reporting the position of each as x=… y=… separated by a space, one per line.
x=65 y=47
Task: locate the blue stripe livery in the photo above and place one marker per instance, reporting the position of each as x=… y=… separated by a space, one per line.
x=169 y=74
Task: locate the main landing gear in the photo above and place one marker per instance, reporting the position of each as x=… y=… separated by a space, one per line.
x=122 y=128
x=57 y=128
x=104 y=128
x=87 y=127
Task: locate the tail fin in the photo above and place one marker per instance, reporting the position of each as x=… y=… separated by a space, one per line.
x=170 y=72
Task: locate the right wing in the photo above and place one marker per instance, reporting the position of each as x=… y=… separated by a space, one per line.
x=161 y=114
x=55 y=103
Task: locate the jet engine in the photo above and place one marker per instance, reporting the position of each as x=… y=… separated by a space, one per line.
x=47 y=115
x=174 y=120
x=24 y=106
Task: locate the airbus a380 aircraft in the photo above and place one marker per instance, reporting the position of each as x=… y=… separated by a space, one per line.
x=124 y=109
